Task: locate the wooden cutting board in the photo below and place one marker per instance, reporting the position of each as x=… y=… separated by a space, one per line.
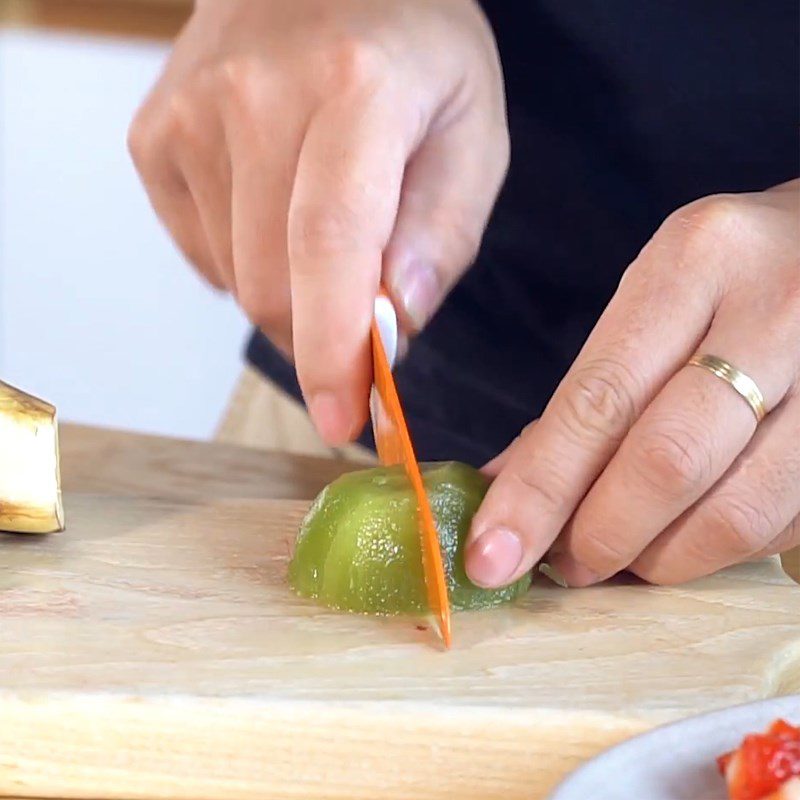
x=154 y=650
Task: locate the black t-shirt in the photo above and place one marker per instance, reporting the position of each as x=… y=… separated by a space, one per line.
x=620 y=112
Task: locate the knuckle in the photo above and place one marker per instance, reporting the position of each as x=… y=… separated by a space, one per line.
x=708 y=213
x=600 y=400
x=545 y=496
x=673 y=462
x=181 y=121
x=357 y=62
x=703 y=222
x=243 y=78
x=740 y=526
x=601 y=551
x=142 y=139
x=161 y=122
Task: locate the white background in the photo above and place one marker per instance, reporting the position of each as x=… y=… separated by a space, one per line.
x=98 y=312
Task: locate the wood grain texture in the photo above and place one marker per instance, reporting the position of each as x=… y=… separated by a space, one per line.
x=154 y=651
x=100 y=461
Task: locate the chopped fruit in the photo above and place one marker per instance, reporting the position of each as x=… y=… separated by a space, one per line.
x=359 y=546
x=766 y=766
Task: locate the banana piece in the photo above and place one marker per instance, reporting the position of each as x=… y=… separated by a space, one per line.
x=30 y=476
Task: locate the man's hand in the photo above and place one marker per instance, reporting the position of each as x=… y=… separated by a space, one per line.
x=643 y=462
x=298 y=150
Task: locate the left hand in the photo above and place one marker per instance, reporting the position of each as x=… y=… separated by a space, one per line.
x=645 y=463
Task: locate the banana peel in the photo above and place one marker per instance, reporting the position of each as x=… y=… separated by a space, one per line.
x=30 y=475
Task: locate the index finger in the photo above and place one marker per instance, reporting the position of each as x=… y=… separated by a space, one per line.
x=342 y=213
x=650 y=328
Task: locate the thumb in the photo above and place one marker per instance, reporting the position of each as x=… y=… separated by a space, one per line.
x=449 y=188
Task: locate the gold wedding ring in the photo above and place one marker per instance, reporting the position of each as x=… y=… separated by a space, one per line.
x=743 y=384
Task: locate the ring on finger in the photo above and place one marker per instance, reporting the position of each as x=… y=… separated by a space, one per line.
x=741 y=383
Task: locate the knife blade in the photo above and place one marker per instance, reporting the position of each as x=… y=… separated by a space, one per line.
x=394 y=446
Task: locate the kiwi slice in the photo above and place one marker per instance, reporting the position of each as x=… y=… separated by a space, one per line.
x=358 y=548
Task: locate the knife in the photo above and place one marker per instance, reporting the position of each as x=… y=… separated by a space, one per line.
x=394 y=446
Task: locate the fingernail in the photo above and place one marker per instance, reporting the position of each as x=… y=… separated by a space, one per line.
x=417 y=289
x=571 y=571
x=494 y=557
x=329 y=418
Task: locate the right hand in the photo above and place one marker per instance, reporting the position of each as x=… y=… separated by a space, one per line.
x=299 y=151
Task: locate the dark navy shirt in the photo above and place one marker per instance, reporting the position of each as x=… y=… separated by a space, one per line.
x=620 y=111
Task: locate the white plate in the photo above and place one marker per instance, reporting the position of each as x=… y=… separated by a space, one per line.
x=677 y=761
